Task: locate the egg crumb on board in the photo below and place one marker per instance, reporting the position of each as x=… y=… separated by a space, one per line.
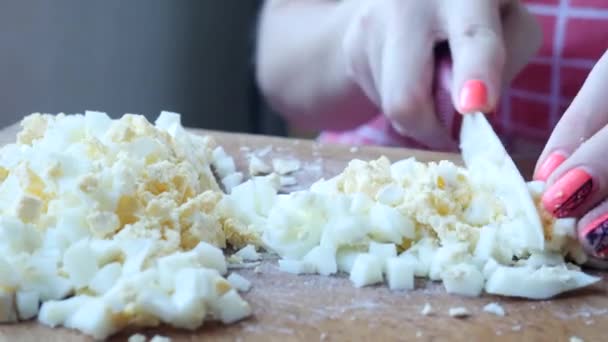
x=427 y=310
x=441 y=221
x=288 y=181
x=286 y=166
x=137 y=338
x=248 y=253
x=459 y=312
x=257 y=166
x=495 y=308
x=111 y=224
x=239 y=282
x=158 y=338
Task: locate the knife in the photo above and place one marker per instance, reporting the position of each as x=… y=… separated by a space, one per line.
x=491 y=168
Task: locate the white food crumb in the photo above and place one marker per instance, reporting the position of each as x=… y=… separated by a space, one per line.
x=494 y=308
x=418 y=334
x=232 y=180
x=223 y=163
x=323 y=337
x=400 y=274
x=137 y=338
x=159 y=338
x=367 y=270
x=258 y=269
x=263 y=152
x=576 y=339
x=234 y=259
x=459 y=312
x=285 y=166
x=354 y=149
x=258 y=167
x=295 y=266
x=248 y=253
x=239 y=282
x=427 y=310
x=516 y=327
x=288 y=181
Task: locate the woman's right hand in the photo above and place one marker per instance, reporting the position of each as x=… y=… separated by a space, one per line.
x=389 y=46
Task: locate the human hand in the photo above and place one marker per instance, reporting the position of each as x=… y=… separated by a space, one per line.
x=389 y=52
x=575 y=166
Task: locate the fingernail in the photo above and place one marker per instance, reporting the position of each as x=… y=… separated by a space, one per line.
x=554 y=160
x=473 y=96
x=596 y=236
x=568 y=193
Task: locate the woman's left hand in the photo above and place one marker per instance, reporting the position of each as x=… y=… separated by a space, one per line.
x=575 y=163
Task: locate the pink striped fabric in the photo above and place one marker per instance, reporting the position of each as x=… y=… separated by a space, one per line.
x=575 y=37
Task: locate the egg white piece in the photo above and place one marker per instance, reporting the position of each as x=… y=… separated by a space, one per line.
x=366 y=270
x=536 y=283
x=399 y=274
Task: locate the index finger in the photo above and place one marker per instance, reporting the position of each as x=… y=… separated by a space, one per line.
x=587 y=114
x=475 y=36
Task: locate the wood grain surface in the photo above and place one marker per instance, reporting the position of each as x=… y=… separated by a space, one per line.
x=315 y=308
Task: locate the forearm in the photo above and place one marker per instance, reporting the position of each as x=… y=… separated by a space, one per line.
x=300 y=66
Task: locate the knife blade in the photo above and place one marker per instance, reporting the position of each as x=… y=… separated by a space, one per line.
x=491 y=167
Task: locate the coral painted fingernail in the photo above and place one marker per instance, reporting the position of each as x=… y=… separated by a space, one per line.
x=596 y=236
x=473 y=96
x=568 y=193
x=554 y=160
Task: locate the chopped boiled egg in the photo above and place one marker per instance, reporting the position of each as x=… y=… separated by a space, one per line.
x=258 y=167
x=137 y=338
x=285 y=166
x=446 y=223
x=459 y=312
x=495 y=308
x=107 y=224
x=248 y=253
x=366 y=270
x=463 y=279
x=296 y=266
x=427 y=310
x=400 y=274
x=239 y=282
x=536 y=283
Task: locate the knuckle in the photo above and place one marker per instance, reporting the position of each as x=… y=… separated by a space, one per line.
x=477 y=32
x=405 y=107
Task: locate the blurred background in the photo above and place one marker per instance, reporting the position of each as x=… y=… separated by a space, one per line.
x=194 y=57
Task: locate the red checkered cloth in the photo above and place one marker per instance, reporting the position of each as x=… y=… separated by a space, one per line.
x=575 y=37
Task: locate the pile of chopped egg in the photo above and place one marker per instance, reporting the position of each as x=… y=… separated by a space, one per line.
x=108 y=223
x=382 y=222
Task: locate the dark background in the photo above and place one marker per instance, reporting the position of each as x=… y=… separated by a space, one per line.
x=194 y=57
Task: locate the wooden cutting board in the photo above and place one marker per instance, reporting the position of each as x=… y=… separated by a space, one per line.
x=314 y=308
